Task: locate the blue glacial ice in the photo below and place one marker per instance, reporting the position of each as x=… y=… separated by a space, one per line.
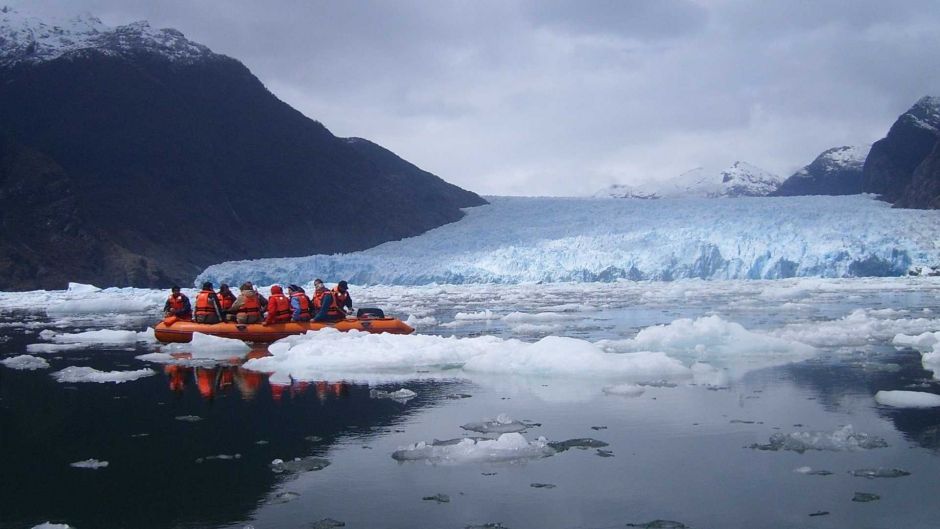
x=527 y=239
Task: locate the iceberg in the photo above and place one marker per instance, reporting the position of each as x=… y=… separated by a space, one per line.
x=529 y=239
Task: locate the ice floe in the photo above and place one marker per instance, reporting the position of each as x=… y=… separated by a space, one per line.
x=25 y=362
x=842 y=439
x=872 y=473
x=299 y=464
x=907 y=399
x=50 y=525
x=501 y=424
x=402 y=395
x=624 y=390
x=93 y=464
x=508 y=447
x=89 y=374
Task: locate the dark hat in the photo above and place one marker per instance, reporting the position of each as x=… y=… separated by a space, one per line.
x=207 y=285
x=175 y=288
x=318 y=280
x=343 y=285
x=294 y=288
x=223 y=286
x=245 y=286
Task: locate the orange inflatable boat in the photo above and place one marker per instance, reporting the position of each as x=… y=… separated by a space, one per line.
x=179 y=331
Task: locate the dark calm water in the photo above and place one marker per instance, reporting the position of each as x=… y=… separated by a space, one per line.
x=675 y=453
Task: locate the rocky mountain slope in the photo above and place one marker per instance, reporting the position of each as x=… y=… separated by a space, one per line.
x=147 y=157
x=837 y=171
x=741 y=179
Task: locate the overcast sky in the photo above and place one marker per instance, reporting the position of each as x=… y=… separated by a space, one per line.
x=565 y=98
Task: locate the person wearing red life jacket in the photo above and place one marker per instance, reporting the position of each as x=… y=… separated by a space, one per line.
x=336 y=304
x=226 y=300
x=278 y=306
x=207 y=305
x=300 y=305
x=178 y=305
x=247 y=308
x=319 y=291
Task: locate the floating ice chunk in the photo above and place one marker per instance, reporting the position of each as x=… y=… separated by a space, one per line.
x=207 y=346
x=188 y=418
x=716 y=341
x=284 y=497
x=356 y=356
x=421 y=321
x=53 y=348
x=25 y=362
x=219 y=457
x=93 y=464
x=99 y=337
x=872 y=473
x=90 y=374
x=582 y=443
x=508 y=447
x=810 y=472
x=402 y=395
x=81 y=288
x=924 y=341
x=501 y=424
x=439 y=498
x=864 y=497
x=907 y=399
x=624 y=390
x=300 y=464
x=476 y=316
x=859 y=328
x=520 y=317
x=50 y=525
x=842 y=439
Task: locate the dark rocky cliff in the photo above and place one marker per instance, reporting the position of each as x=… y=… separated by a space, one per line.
x=837 y=171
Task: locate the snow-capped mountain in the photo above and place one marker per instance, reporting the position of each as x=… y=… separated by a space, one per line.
x=837 y=171
x=741 y=179
x=904 y=167
x=29 y=39
x=516 y=239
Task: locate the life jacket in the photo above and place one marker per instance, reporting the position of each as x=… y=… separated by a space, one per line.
x=250 y=304
x=304 y=302
x=226 y=300
x=176 y=303
x=204 y=305
x=279 y=307
x=318 y=299
x=336 y=307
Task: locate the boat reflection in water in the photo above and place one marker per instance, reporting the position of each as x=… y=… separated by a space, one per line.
x=212 y=380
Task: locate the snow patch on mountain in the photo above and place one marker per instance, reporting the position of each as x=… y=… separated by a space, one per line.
x=843 y=158
x=925 y=113
x=29 y=39
x=741 y=179
x=520 y=239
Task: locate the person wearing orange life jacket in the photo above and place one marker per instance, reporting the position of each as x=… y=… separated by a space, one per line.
x=226 y=300
x=336 y=304
x=319 y=291
x=247 y=308
x=178 y=305
x=207 y=305
x=278 y=306
x=299 y=303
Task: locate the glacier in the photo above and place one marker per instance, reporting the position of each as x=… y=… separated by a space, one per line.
x=538 y=239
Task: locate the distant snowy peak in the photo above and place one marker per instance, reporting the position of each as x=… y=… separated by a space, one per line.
x=740 y=180
x=846 y=158
x=29 y=39
x=925 y=113
x=624 y=191
x=745 y=180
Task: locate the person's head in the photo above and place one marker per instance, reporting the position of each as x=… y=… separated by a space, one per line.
x=342 y=286
x=175 y=289
x=207 y=285
x=318 y=283
x=276 y=289
x=223 y=288
x=294 y=288
x=245 y=286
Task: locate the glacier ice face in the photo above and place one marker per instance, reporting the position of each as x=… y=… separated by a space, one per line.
x=525 y=239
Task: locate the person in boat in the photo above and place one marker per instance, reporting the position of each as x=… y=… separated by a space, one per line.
x=279 y=310
x=336 y=304
x=247 y=307
x=226 y=300
x=178 y=305
x=319 y=292
x=261 y=299
x=207 y=305
x=299 y=303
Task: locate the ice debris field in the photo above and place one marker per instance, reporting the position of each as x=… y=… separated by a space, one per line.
x=546 y=330
x=525 y=239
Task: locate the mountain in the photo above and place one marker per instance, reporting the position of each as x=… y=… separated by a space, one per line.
x=891 y=164
x=741 y=179
x=166 y=157
x=837 y=171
